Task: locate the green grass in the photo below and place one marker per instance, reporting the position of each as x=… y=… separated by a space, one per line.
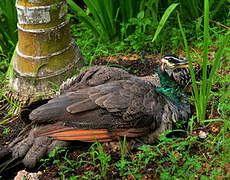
x=107 y=16
x=202 y=96
x=8 y=37
x=8 y=27
x=194 y=8
x=171 y=158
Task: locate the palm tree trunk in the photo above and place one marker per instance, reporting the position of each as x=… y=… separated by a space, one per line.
x=45 y=52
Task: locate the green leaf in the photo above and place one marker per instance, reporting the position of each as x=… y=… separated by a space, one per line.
x=84 y=17
x=164 y=18
x=217 y=61
x=10 y=68
x=141 y=15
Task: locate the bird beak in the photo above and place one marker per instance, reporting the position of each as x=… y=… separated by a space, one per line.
x=182 y=63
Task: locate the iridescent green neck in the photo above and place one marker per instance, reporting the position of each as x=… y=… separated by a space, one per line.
x=170 y=88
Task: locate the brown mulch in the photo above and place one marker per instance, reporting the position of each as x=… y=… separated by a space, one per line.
x=10 y=130
x=140 y=65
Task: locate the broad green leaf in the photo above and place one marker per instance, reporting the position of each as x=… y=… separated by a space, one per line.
x=141 y=15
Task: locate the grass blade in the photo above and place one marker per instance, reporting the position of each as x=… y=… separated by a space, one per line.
x=203 y=91
x=195 y=88
x=164 y=18
x=85 y=18
x=217 y=61
x=10 y=68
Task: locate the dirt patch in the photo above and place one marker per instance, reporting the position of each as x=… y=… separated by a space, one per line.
x=10 y=130
x=140 y=65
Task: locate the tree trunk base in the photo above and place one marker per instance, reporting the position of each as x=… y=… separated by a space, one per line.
x=27 y=89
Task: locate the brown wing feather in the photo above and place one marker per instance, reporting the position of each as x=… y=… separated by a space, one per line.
x=94 y=76
x=82 y=106
x=61 y=132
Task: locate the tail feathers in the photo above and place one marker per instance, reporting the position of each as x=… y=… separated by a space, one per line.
x=60 y=132
x=102 y=135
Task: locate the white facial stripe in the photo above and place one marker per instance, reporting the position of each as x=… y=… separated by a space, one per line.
x=171 y=60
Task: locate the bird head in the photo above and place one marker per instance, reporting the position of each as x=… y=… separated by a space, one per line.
x=169 y=63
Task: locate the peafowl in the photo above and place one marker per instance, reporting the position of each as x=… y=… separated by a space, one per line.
x=104 y=103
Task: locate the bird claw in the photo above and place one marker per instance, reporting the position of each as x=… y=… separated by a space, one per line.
x=32 y=148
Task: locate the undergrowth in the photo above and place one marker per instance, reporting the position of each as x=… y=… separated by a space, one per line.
x=169 y=40
x=172 y=158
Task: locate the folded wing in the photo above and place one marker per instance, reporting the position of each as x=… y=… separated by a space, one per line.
x=103 y=112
